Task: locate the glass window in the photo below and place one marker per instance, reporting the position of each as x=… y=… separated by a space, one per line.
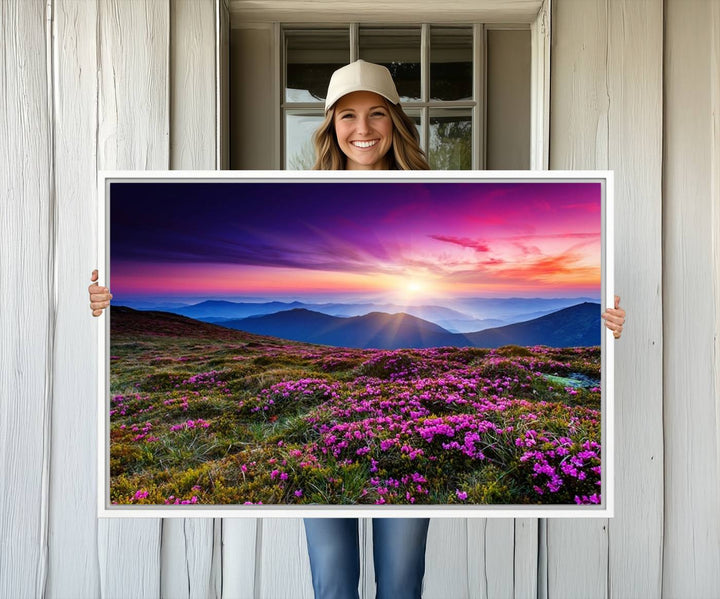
x=398 y=50
x=451 y=63
x=310 y=59
x=436 y=73
x=416 y=116
x=299 y=149
x=450 y=146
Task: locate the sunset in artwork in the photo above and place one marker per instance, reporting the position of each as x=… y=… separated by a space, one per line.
x=417 y=241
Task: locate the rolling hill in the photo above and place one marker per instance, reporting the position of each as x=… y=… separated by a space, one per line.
x=575 y=326
x=218 y=311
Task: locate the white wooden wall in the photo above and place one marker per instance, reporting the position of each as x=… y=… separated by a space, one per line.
x=635 y=87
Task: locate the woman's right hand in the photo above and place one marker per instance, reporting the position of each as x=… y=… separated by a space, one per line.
x=99 y=296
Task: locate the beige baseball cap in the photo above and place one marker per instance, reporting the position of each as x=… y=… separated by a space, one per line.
x=361 y=76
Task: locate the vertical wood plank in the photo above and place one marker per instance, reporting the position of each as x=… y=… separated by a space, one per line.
x=133 y=130
x=491 y=549
x=129 y=554
x=187 y=558
x=239 y=558
x=216 y=571
x=73 y=561
x=284 y=566
x=500 y=556
x=447 y=559
x=133 y=127
x=187 y=544
x=526 y=558
x=579 y=97
x=542 y=572
x=476 y=564
x=635 y=49
x=691 y=404
x=577 y=550
x=26 y=309
x=192 y=85
x=577 y=562
x=715 y=195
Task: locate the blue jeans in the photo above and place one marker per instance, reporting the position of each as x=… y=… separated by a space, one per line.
x=398 y=552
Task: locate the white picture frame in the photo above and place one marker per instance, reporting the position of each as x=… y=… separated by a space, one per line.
x=302 y=179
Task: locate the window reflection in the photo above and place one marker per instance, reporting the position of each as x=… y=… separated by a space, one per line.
x=451 y=59
x=299 y=149
x=399 y=50
x=311 y=57
x=450 y=144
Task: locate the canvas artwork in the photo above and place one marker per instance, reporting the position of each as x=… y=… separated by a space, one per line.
x=322 y=342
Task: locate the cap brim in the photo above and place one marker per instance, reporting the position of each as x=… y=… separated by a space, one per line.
x=330 y=101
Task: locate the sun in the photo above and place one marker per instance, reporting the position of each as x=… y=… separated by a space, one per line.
x=414 y=287
x=411 y=289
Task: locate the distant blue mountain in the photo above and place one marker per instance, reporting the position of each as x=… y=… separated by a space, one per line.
x=224 y=309
x=516 y=309
x=577 y=326
x=574 y=326
x=470 y=315
x=219 y=311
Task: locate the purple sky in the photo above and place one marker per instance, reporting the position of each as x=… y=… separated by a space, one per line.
x=413 y=239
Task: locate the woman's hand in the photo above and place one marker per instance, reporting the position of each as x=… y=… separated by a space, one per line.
x=614 y=318
x=99 y=296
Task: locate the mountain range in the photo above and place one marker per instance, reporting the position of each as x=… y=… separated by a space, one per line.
x=466 y=316
x=577 y=325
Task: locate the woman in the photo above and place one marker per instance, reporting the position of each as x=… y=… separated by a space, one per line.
x=365 y=129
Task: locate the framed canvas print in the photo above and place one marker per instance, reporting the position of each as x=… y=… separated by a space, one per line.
x=356 y=344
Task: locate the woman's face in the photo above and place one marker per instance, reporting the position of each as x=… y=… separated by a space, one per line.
x=364 y=130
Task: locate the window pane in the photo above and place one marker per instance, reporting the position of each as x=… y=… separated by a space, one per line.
x=451 y=55
x=399 y=50
x=311 y=58
x=450 y=139
x=299 y=149
x=414 y=115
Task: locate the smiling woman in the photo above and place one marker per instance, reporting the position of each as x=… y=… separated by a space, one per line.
x=365 y=128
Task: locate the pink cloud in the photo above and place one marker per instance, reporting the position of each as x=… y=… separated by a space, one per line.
x=565 y=267
x=477 y=245
x=521 y=238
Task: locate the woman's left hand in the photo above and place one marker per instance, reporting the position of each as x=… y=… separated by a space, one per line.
x=614 y=318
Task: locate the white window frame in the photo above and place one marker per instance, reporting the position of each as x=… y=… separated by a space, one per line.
x=477 y=106
x=536 y=17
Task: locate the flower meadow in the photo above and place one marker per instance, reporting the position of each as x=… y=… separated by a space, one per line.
x=204 y=415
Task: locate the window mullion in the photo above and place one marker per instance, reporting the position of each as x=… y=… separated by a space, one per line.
x=479 y=112
x=354 y=41
x=425 y=85
x=280 y=152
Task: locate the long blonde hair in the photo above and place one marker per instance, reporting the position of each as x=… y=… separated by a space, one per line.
x=405 y=153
